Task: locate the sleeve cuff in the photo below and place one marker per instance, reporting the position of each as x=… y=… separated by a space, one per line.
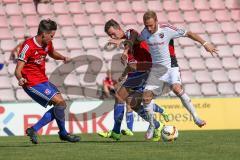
x=22 y=60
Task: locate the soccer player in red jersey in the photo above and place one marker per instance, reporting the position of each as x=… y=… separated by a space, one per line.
x=138 y=62
x=30 y=72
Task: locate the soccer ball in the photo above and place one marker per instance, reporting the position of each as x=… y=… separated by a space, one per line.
x=169 y=133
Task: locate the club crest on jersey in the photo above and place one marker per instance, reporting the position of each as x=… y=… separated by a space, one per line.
x=47 y=92
x=161 y=35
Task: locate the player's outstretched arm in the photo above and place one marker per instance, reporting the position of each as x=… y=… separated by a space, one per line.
x=18 y=73
x=117 y=42
x=57 y=56
x=208 y=46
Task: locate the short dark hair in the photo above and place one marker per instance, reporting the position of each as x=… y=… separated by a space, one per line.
x=46 y=25
x=149 y=14
x=111 y=23
x=26 y=37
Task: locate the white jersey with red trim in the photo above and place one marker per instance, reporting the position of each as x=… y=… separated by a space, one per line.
x=159 y=43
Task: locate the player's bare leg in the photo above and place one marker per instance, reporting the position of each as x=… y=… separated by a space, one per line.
x=59 y=108
x=186 y=101
x=133 y=103
x=135 y=100
x=121 y=95
x=147 y=97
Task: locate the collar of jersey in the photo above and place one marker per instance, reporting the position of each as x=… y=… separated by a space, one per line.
x=35 y=41
x=157 y=29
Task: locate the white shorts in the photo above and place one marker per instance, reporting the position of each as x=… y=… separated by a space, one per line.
x=159 y=82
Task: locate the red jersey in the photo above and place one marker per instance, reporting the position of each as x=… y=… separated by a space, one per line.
x=139 y=52
x=34 y=57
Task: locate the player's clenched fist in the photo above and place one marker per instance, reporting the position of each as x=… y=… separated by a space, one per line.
x=67 y=59
x=22 y=81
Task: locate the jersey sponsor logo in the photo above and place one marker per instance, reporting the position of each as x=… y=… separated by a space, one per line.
x=24 y=51
x=161 y=35
x=39 y=61
x=155 y=44
x=47 y=92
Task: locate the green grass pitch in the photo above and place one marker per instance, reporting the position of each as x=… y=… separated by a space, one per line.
x=191 y=145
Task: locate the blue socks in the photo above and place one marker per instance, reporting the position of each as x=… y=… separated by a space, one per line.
x=118 y=116
x=129 y=120
x=47 y=117
x=157 y=108
x=53 y=113
x=60 y=118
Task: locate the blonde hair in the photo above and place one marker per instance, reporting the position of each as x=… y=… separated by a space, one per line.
x=149 y=14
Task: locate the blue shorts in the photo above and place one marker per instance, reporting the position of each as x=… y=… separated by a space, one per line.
x=42 y=93
x=136 y=81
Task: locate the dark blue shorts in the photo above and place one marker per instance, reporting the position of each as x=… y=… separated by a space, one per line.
x=136 y=81
x=42 y=93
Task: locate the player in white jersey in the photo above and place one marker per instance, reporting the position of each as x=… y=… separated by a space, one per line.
x=158 y=37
